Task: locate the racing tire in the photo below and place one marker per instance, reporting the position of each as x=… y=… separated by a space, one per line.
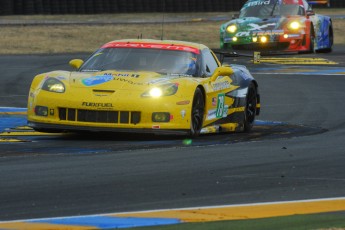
x=197 y=113
x=48 y=130
x=312 y=40
x=250 y=109
x=224 y=46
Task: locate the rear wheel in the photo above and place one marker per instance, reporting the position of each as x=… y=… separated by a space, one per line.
x=250 y=109
x=197 y=115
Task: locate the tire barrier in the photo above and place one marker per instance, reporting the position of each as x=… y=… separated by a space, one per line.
x=28 y=7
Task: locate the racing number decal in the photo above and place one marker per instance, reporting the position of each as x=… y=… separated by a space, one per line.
x=220 y=105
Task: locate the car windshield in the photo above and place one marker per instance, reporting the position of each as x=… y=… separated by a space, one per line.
x=263 y=11
x=142 y=59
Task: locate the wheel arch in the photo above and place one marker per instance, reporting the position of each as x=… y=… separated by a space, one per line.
x=202 y=90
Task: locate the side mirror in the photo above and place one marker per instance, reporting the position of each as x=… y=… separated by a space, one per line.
x=222 y=71
x=76 y=63
x=310 y=13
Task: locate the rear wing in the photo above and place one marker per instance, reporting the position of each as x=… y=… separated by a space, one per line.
x=323 y=2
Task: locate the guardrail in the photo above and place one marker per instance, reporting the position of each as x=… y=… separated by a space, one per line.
x=27 y=7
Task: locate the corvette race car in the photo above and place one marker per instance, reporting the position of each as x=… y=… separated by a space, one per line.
x=148 y=86
x=283 y=25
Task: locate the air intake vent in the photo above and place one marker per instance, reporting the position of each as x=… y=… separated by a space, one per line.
x=82 y=115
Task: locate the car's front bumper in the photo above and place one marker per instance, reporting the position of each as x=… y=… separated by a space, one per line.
x=289 y=42
x=108 y=113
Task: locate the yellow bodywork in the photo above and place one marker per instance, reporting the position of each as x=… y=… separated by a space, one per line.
x=122 y=93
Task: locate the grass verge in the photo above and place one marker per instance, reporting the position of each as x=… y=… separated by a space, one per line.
x=86 y=38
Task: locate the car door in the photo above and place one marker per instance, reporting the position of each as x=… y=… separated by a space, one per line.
x=217 y=103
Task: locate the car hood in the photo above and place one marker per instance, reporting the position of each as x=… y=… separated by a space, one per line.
x=259 y=24
x=115 y=80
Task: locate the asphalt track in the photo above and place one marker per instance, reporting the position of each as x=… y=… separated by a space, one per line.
x=296 y=151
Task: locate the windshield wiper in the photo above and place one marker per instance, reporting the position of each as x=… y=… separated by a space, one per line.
x=274 y=7
x=180 y=74
x=90 y=70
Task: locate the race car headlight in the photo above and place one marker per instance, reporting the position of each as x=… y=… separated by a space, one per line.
x=155 y=92
x=263 y=39
x=53 y=85
x=163 y=90
x=231 y=28
x=294 y=25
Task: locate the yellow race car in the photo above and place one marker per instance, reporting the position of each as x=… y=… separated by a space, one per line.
x=148 y=86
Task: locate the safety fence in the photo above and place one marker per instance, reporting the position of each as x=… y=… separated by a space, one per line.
x=27 y=7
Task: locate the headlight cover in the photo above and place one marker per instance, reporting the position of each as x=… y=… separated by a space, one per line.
x=231 y=28
x=53 y=85
x=294 y=25
x=162 y=90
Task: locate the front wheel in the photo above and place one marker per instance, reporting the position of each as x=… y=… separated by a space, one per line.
x=197 y=114
x=312 y=40
x=250 y=109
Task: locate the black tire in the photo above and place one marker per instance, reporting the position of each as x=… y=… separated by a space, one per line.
x=226 y=46
x=48 y=130
x=250 y=109
x=312 y=40
x=197 y=113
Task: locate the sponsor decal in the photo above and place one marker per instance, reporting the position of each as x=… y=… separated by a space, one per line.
x=130 y=82
x=214 y=101
x=258 y=3
x=258 y=27
x=211 y=114
x=295 y=35
x=220 y=105
x=158 y=80
x=97 y=105
x=121 y=75
x=221 y=110
x=242 y=34
x=97 y=80
x=152 y=46
x=183 y=113
x=183 y=102
x=269 y=32
x=221 y=85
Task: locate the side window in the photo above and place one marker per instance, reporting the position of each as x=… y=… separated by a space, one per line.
x=306 y=6
x=209 y=64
